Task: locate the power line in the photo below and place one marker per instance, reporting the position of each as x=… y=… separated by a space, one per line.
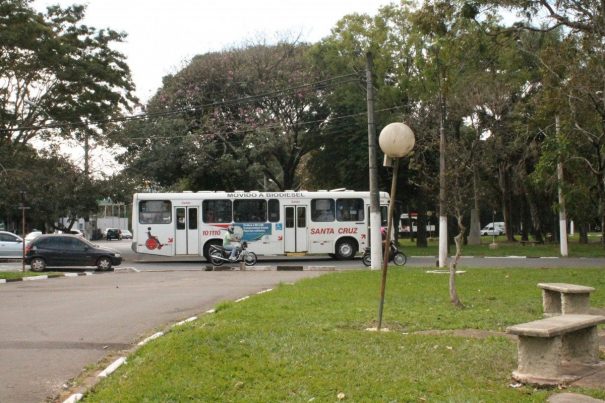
x=256 y=129
x=153 y=115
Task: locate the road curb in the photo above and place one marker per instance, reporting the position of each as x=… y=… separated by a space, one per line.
x=270 y=268
x=46 y=277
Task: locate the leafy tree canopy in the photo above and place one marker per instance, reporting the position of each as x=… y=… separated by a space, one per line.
x=57 y=73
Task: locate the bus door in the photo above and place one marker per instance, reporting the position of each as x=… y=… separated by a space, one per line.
x=187 y=237
x=295 y=234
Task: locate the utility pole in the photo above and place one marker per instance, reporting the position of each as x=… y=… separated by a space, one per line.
x=443 y=239
x=375 y=219
x=562 y=211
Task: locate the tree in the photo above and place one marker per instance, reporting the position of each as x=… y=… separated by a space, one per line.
x=49 y=198
x=345 y=132
x=583 y=87
x=57 y=74
x=234 y=118
x=58 y=79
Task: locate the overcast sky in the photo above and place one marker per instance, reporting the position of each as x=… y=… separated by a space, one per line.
x=164 y=34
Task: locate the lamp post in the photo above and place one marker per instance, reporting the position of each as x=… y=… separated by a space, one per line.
x=23 y=208
x=396 y=141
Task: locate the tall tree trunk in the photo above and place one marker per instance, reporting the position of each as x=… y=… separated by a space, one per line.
x=454 y=299
x=525 y=220
x=602 y=204
x=583 y=230
x=506 y=192
x=474 y=236
x=421 y=222
x=533 y=208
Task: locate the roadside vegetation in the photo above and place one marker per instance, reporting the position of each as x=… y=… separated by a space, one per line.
x=506 y=248
x=308 y=342
x=13 y=275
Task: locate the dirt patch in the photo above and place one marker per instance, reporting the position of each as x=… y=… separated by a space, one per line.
x=473 y=333
x=482 y=334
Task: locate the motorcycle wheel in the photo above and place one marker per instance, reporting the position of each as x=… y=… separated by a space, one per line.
x=366 y=259
x=216 y=258
x=400 y=259
x=250 y=258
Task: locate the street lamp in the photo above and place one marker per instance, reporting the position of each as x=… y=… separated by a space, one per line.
x=396 y=141
x=23 y=207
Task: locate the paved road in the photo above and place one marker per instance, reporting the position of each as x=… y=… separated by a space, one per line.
x=50 y=330
x=150 y=262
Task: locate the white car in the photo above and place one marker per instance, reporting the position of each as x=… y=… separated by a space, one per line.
x=32 y=235
x=76 y=232
x=493 y=229
x=11 y=245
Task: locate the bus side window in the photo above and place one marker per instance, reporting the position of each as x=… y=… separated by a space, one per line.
x=155 y=212
x=349 y=210
x=216 y=211
x=273 y=210
x=322 y=210
x=250 y=210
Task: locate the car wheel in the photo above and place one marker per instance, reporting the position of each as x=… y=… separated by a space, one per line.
x=345 y=249
x=38 y=264
x=104 y=263
x=367 y=259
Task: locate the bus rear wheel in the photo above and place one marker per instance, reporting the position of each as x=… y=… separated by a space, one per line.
x=345 y=249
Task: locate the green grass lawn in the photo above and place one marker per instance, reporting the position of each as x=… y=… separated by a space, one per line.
x=576 y=249
x=11 y=275
x=308 y=342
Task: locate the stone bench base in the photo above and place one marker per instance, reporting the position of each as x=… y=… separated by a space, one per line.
x=557 y=350
x=562 y=299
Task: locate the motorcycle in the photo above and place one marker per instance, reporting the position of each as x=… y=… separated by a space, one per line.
x=219 y=256
x=395 y=256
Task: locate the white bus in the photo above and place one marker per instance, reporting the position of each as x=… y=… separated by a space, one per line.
x=273 y=223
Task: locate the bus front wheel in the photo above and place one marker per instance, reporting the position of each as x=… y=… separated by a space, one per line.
x=346 y=249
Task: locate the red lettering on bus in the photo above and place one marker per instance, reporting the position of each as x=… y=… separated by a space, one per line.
x=211 y=232
x=351 y=231
x=322 y=231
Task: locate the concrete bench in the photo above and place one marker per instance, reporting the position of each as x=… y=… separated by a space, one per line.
x=557 y=350
x=562 y=298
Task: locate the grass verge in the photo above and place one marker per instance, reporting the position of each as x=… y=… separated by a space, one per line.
x=307 y=342
x=14 y=275
x=576 y=249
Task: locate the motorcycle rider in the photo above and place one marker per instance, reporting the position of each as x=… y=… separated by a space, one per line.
x=231 y=243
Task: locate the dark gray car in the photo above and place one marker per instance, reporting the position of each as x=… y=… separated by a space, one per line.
x=68 y=250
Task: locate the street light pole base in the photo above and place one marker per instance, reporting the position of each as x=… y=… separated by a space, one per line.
x=493 y=245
